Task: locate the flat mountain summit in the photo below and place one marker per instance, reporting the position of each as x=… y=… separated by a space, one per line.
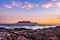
x=25 y=23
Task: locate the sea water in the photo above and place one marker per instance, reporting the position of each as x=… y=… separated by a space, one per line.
x=27 y=27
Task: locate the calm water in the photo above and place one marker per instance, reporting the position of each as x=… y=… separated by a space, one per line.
x=28 y=27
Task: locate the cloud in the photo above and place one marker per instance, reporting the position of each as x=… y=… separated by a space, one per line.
x=1 y=8
x=28 y=5
x=48 y=5
x=58 y=4
x=7 y=6
x=13 y=4
x=51 y=4
x=18 y=4
x=54 y=0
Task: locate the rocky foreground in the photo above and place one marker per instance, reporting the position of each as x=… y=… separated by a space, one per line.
x=29 y=34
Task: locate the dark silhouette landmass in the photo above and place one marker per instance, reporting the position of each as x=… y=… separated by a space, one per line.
x=25 y=23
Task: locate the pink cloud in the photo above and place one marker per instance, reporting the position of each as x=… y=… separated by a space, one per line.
x=52 y=4
x=1 y=8
x=48 y=5
x=13 y=3
x=30 y=6
x=18 y=4
x=27 y=5
x=7 y=6
x=58 y=4
x=54 y=0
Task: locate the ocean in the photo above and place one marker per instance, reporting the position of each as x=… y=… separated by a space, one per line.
x=27 y=27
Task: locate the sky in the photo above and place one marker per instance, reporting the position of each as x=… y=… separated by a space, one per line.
x=40 y=11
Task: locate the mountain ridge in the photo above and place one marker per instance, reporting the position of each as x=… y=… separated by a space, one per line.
x=25 y=23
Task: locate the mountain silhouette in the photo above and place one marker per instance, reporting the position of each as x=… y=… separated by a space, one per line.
x=26 y=23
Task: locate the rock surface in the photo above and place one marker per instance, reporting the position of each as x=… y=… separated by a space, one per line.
x=29 y=34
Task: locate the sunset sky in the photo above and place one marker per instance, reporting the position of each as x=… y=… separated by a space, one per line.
x=40 y=11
